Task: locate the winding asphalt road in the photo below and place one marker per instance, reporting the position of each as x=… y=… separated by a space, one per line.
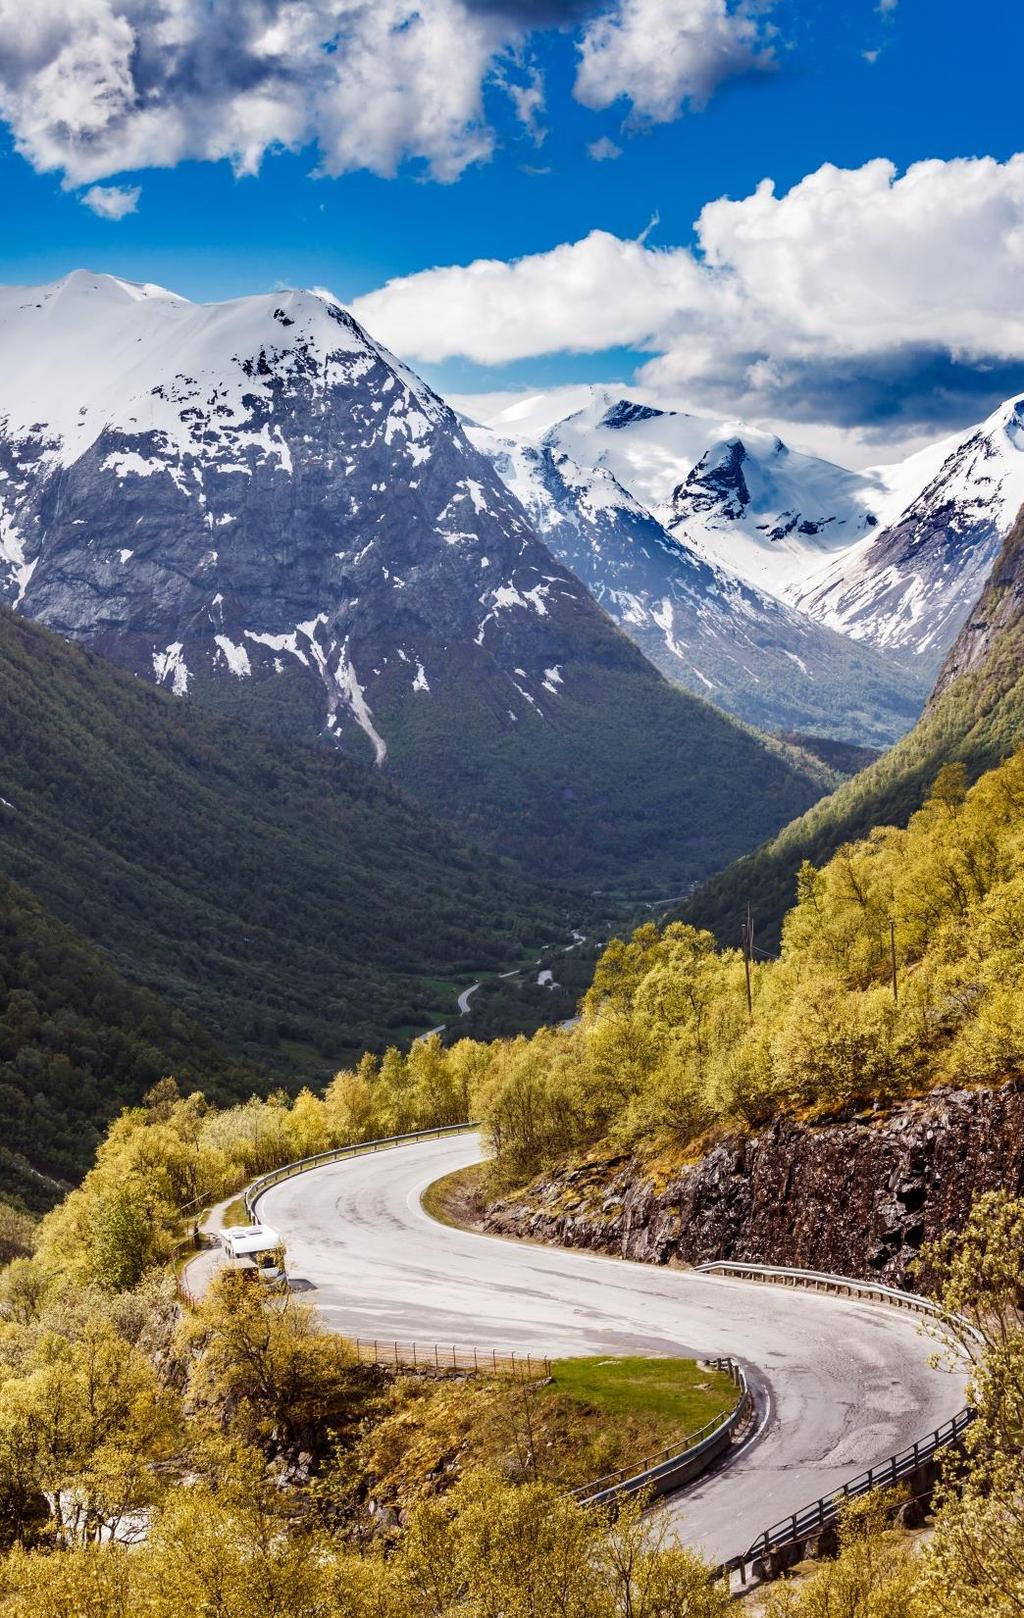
x=841 y=1384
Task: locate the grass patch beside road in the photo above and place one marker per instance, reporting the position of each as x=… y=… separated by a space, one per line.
x=234 y=1214
x=678 y=1396
x=594 y=1416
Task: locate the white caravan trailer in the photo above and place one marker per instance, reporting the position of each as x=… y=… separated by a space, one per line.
x=254 y=1247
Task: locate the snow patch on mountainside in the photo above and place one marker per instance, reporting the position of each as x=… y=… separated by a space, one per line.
x=236 y=657
x=350 y=689
x=169 y=668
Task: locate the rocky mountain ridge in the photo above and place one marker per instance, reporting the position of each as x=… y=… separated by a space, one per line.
x=891 y=556
x=912 y=586
x=703 y=626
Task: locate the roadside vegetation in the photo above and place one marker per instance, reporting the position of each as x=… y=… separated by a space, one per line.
x=593 y=1417
x=666 y=1054
x=459 y=1199
x=236 y=1461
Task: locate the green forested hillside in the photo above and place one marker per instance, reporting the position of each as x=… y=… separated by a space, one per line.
x=625 y=782
x=296 y=907
x=976 y=718
x=77 y=1043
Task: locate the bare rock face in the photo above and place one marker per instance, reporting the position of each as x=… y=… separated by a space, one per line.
x=858 y=1197
x=998 y=611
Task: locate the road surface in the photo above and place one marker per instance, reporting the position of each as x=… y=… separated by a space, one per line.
x=841 y=1384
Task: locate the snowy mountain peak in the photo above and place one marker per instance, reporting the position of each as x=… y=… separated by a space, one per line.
x=891 y=556
x=698 y=622
x=242 y=489
x=627 y=411
x=95 y=286
x=1011 y=419
x=145 y=364
x=941 y=517
x=256 y=506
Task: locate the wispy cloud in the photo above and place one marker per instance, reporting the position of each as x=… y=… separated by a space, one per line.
x=112 y=201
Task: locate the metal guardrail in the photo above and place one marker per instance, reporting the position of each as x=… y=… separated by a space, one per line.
x=792 y=1531
x=821 y=1281
x=677 y=1463
x=670 y=1471
x=823 y=1513
x=339 y=1154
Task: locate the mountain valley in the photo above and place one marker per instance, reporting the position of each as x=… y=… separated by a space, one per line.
x=256 y=506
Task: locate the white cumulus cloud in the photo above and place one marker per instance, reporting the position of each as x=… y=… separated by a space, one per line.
x=112 y=201
x=857 y=294
x=662 y=54
x=93 y=88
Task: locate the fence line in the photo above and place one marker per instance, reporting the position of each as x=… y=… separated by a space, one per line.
x=445 y=1357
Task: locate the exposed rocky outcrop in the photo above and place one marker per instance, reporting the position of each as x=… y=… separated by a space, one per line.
x=996 y=615
x=857 y=1197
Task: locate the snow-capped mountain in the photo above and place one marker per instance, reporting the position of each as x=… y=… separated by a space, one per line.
x=891 y=556
x=702 y=625
x=734 y=494
x=236 y=489
x=255 y=504
x=941 y=517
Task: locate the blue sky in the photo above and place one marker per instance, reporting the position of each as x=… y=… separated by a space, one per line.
x=848 y=82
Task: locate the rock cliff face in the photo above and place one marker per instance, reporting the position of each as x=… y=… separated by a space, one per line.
x=996 y=615
x=855 y=1198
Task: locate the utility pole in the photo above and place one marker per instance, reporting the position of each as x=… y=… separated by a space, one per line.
x=748 y=950
x=892 y=960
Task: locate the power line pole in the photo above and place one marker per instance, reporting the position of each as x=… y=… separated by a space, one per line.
x=748 y=950
x=892 y=960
